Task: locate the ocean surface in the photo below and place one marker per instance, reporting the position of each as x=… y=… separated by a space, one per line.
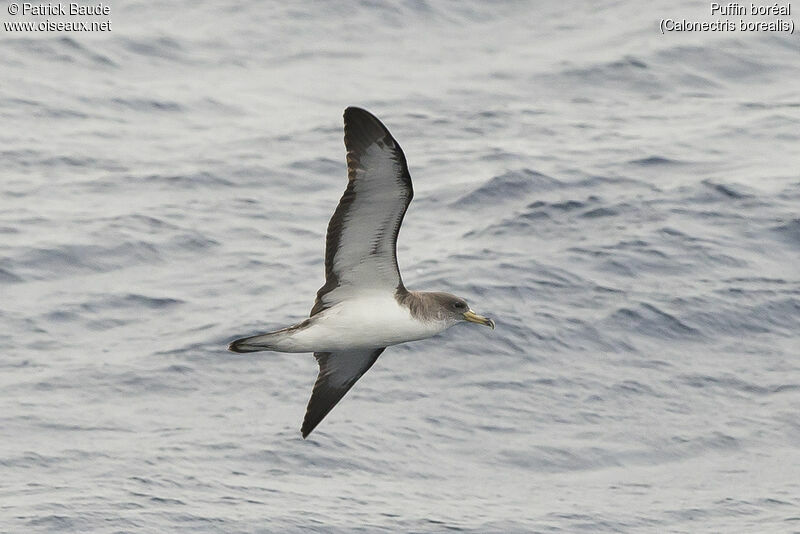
x=625 y=204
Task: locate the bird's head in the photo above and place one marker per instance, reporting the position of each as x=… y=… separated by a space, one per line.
x=456 y=309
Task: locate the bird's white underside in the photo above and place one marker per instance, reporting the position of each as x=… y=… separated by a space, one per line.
x=365 y=321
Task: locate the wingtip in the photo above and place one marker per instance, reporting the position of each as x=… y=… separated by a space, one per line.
x=308 y=425
x=353 y=111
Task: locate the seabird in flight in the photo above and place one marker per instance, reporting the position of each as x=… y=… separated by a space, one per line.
x=363 y=306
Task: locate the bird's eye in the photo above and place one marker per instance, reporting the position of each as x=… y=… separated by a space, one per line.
x=460 y=305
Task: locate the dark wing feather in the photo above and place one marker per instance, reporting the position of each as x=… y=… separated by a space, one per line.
x=361 y=245
x=338 y=371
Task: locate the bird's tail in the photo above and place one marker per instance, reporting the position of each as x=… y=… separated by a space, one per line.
x=252 y=343
x=280 y=341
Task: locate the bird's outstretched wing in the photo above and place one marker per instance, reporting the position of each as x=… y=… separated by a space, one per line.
x=338 y=371
x=361 y=245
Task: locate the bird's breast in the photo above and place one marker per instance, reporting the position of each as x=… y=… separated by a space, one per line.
x=366 y=322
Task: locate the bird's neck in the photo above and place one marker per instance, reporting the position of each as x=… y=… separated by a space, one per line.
x=420 y=304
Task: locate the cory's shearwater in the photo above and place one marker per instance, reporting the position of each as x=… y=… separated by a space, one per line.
x=363 y=306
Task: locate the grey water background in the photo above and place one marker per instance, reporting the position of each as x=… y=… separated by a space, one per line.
x=623 y=203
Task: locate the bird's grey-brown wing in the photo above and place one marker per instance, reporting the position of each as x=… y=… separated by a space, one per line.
x=338 y=371
x=361 y=245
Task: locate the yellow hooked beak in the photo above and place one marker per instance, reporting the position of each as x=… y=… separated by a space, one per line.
x=473 y=317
